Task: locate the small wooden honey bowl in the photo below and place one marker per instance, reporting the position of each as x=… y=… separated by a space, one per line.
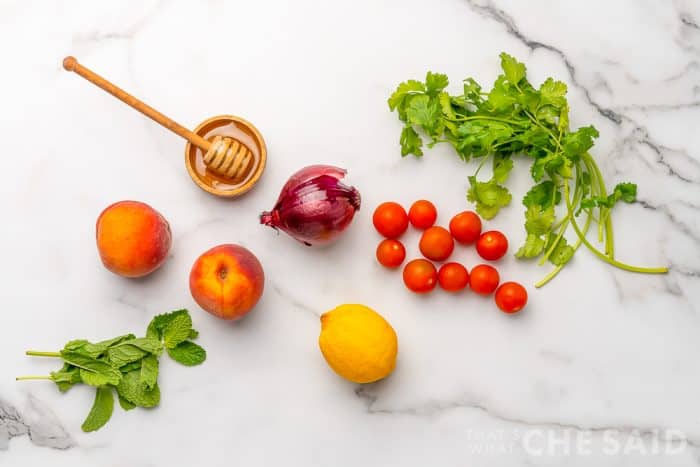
x=225 y=155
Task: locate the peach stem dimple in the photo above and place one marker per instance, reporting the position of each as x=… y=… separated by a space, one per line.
x=223 y=273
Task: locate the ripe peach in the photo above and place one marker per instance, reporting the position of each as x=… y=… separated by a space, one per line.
x=133 y=238
x=227 y=281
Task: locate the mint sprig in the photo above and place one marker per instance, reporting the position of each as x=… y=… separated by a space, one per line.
x=127 y=365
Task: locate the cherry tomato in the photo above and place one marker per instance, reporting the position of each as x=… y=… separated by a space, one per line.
x=391 y=253
x=390 y=219
x=465 y=227
x=422 y=214
x=436 y=243
x=484 y=279
x=420 y=276
x=511 y=297
x=453 y=277
x=492 y=245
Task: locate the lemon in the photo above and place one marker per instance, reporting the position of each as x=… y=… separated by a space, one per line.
x=358 y=343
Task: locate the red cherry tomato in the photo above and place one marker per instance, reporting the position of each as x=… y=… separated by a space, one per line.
x=391 y=253
x=420 y=276
x=422 y=214
x=492 y=245
x=390 y=219
x=465 y=227
x=511 y=297
x=484 y=279
x=453 y=277
x=436 y=243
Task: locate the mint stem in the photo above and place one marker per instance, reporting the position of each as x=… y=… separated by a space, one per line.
x=35 y=353
x=23 y=378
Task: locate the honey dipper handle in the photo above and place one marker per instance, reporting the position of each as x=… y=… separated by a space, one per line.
x=71 y=64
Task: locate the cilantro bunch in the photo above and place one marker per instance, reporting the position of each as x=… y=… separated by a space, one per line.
x=515 y=118
x=127 y=365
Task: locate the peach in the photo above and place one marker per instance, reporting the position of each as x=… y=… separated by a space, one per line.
x=133 y=238
x=227 y=281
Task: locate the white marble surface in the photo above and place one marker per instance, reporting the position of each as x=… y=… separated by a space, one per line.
x=598 y=349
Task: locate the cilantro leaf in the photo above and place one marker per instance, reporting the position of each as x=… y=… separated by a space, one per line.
x=424 y=111
x=446 y=105
x=533 y=247
x=489 y=197
x=553 y=93
x=502 y=166
x=576 y=143
x=626 y=192
x=562 y=253
x=543 y=194
x=538 y=221
x=513 y=69
x=411 y=142
x=435 y=83
x=405 y=89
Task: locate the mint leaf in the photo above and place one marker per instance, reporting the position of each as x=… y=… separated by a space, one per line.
x=411 y=142
x=148 y=344
x=513 y=69
x=66 y=377
x=101 y=410
x=125 y=404
x=435 y=83
x=131 y=366
x=177 y=330
x=131 y=389
x=149 y=371
x=99 y=371
x=489 y=197
x=159 y=322
x=123 y=354
x=188 y=353
x=117 y=340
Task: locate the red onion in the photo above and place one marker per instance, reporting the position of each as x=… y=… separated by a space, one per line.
x=314 y=207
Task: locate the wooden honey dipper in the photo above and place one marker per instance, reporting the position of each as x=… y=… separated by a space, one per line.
x=224 y=155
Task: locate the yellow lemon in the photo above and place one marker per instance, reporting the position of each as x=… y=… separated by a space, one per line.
x=358 y=343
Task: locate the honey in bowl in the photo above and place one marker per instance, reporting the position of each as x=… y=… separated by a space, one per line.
x=239 y=130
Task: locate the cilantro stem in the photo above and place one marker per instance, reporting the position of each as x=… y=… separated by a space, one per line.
x=601 y=255
x=481 y=164
x=556 y=270
x=606 y=220
x=485 y=117
x=549 y=251
x=35 y=353
x=24 y=378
